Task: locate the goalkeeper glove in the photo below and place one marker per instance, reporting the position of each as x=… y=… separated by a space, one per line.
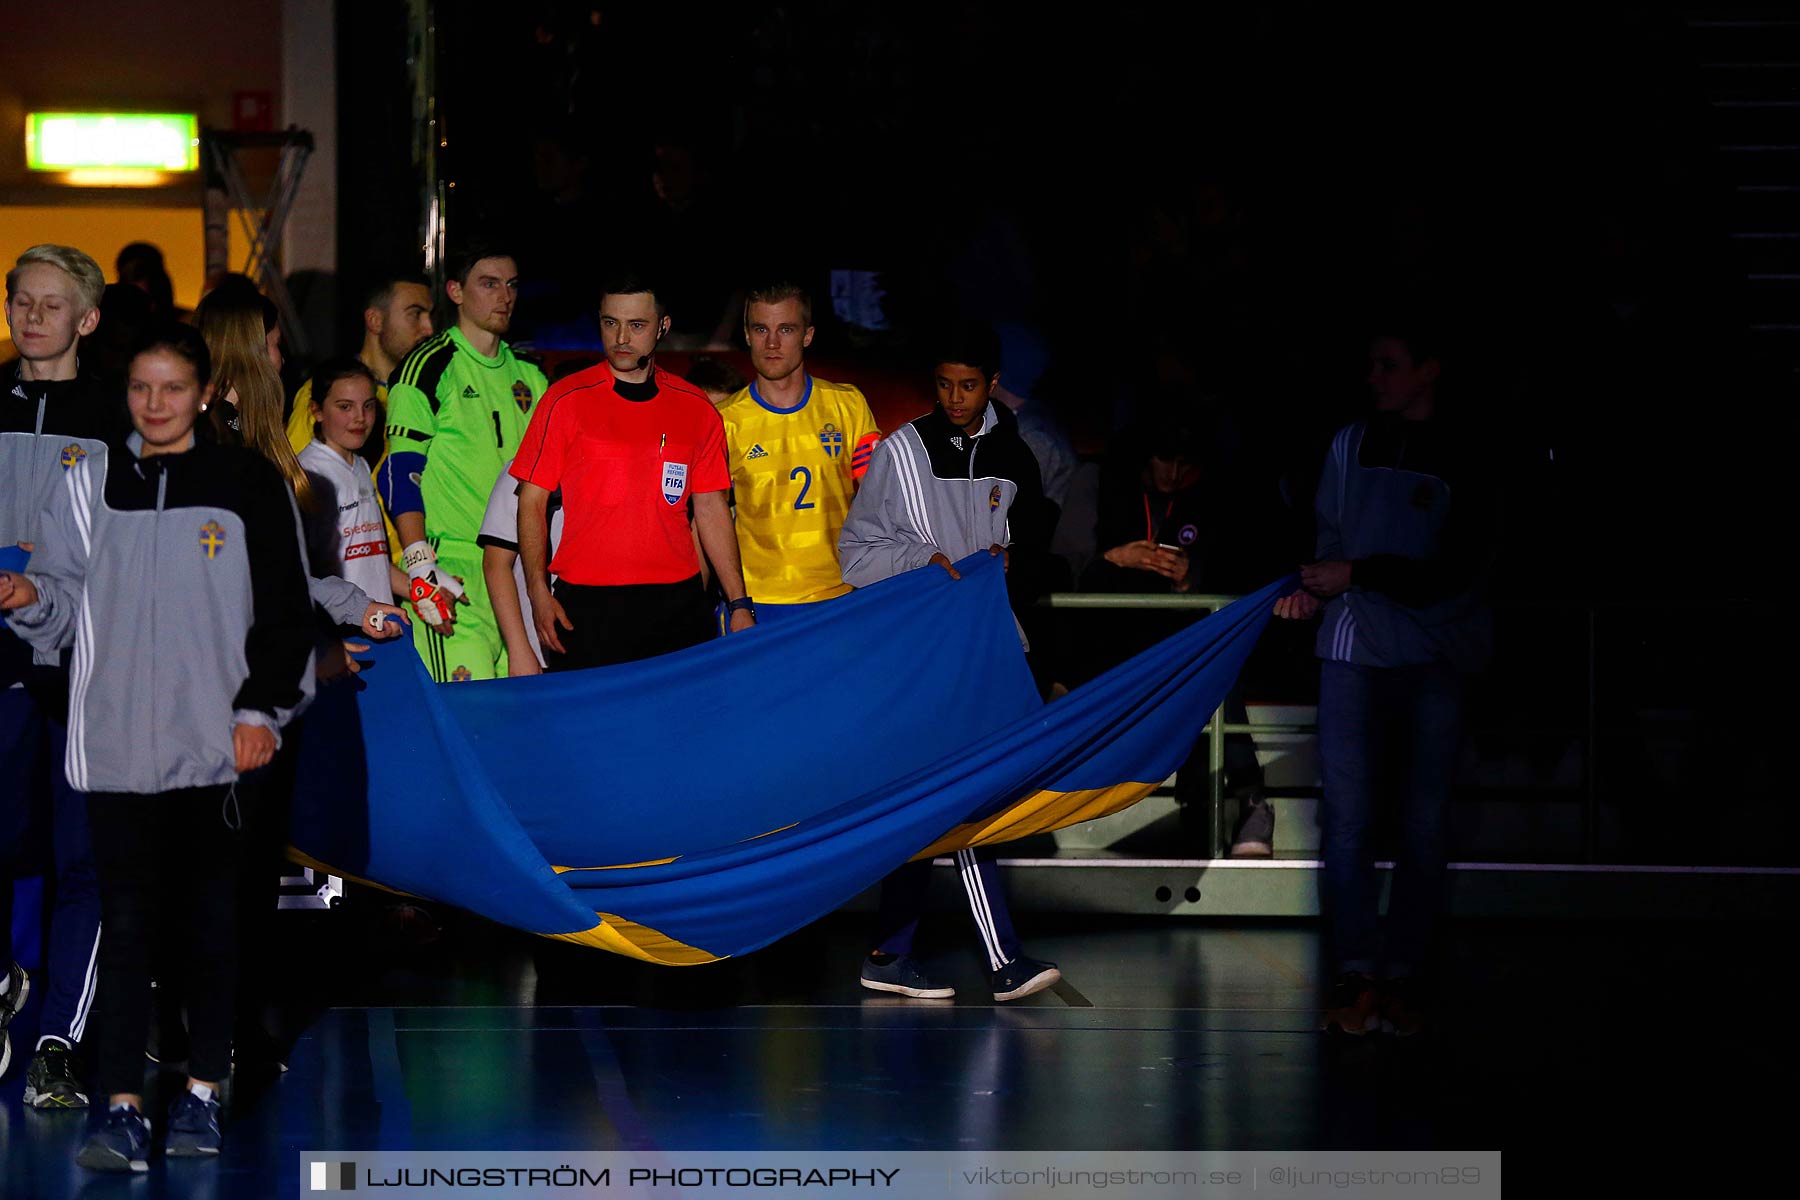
x=435 y=592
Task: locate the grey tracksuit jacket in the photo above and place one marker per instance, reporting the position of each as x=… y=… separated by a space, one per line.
x=45 y=429
x=934 y=488
x=180 y=584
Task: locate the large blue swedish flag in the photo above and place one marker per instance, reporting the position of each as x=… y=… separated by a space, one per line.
x=705 y=803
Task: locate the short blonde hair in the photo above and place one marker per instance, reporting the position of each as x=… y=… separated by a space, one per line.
x=90 y=283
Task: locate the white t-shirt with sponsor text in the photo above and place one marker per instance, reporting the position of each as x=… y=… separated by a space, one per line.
x=362 y=549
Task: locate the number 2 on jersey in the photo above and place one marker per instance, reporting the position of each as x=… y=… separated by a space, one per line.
x=805 y=477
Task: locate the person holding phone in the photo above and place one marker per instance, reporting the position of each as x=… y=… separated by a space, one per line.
x=1167 y=524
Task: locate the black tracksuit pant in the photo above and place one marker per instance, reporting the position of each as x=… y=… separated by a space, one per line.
x=168 y=867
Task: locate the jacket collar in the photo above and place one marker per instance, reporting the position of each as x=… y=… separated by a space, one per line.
x=941 y=426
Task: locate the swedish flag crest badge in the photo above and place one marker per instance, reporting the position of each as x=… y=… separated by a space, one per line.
x=72 y=454
x=212 y=539
x=832 y=438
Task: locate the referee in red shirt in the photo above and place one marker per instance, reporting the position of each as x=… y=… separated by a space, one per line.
x=631 y=448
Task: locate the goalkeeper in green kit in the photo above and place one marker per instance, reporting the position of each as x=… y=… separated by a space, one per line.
x=457 y=407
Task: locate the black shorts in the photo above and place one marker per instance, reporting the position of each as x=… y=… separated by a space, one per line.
x=629 y=622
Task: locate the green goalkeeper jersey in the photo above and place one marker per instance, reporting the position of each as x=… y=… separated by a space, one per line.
x=465 y=413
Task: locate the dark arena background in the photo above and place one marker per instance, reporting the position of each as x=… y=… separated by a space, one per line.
x=1195 y=218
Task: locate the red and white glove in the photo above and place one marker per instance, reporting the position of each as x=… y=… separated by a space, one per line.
x=435 y=592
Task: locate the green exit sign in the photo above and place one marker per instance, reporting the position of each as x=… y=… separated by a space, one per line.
x=72 y=141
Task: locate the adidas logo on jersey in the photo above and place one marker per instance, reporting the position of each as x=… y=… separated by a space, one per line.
x=19 y=391
x=469 y=393
x=756 y=451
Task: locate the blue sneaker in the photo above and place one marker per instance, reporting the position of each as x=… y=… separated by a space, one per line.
x=905 y=977
x=193 y=1127
x=18 y=989
x=122 y=1143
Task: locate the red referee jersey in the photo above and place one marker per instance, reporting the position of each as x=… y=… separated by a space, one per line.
x=626 y=469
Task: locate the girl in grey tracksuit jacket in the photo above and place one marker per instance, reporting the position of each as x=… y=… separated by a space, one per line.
x=179 y=582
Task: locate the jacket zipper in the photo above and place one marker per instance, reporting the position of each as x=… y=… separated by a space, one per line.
x=969 y=493
x=41 y=479
x=162 y=490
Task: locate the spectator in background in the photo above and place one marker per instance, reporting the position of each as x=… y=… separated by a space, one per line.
x=1026 y=359
x=125 y=313
x=396 y=318
x=1407 y=527
x=1166 y=524
x=690 y=232
x=140 y=265
x=716 y=377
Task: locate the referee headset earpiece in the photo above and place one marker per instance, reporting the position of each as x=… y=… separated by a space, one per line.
x=662 y=330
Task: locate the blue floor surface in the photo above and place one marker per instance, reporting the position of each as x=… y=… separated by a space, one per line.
x=1166 y=1035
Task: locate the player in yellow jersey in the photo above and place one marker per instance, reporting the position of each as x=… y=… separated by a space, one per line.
x=797 y=447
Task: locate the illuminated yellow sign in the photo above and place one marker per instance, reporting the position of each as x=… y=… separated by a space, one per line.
x=101 y=142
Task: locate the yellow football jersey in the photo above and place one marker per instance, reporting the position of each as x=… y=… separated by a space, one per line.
x=793 y=474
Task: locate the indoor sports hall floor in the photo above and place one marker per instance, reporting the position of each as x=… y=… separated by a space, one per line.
x=1166 y=1035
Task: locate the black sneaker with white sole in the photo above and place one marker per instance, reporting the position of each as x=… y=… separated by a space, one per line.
x=904 y=977
x=1023 y=976
x=50 y=1080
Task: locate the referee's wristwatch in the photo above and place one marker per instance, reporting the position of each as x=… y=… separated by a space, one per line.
x=742 y=604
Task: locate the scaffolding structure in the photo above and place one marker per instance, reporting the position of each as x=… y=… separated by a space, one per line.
x=228 y=189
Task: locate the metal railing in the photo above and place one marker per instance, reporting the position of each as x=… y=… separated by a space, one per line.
x=1217 y=728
